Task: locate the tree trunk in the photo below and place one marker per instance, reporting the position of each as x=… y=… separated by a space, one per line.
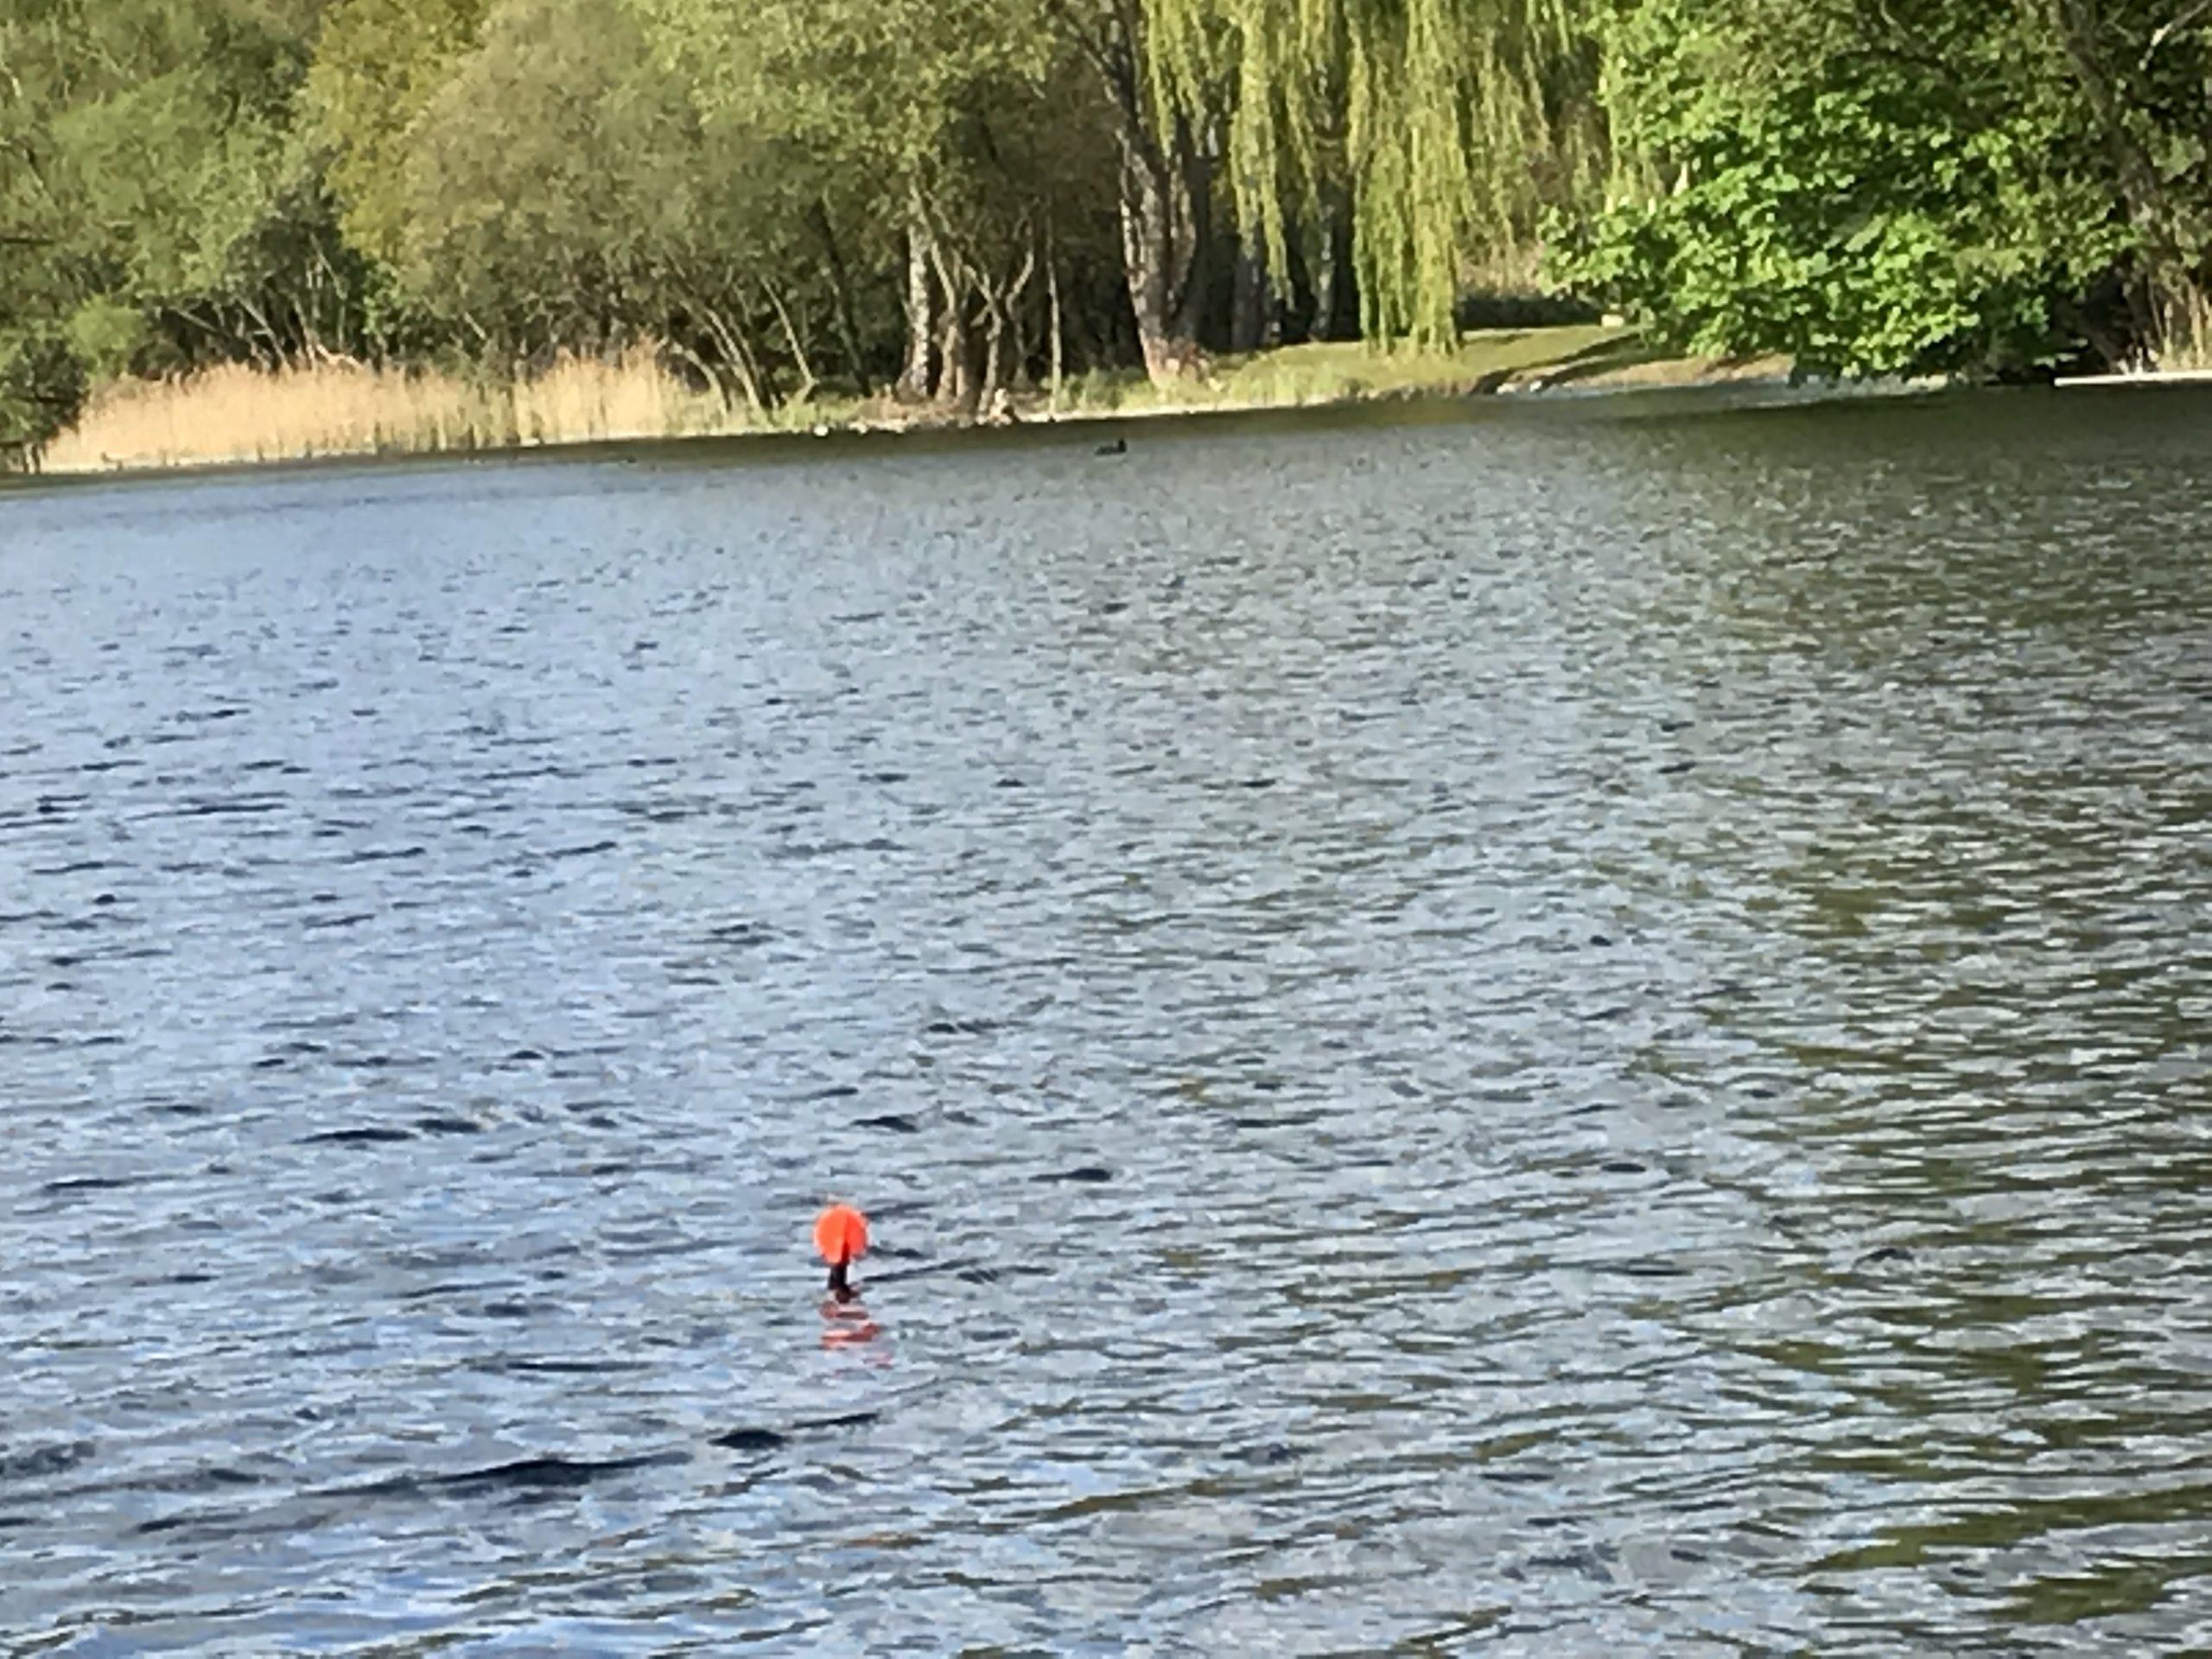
x=1001 y=308
x=737 y=353
x=1165 y=187
x=841 y=291
x=1335 y=307
x=987 y=389
x=955 y=386
x=1162 y=236
x=956 y=381
x=2177 y=294
x=916 y=381
x=1052 y=306
x=807 y=382
x=1247 y=313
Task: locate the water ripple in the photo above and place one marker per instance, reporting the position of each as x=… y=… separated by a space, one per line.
x=1548 y=1031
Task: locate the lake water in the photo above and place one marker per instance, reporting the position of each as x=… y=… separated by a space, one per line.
x=1556 y=1030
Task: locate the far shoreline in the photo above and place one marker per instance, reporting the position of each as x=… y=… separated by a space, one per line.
x=339 y=408
x=1623 y=371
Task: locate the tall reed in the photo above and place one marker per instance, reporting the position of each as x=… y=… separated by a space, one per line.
x=341 y=408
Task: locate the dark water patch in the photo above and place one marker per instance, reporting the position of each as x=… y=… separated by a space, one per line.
x=896 y=1122
x=366 y=1135
x=380 y=1061
x=570 y=1367
x=550 y=1473
x=759 y=1439
x=195 y=1482
x=441 y=1124
x=1267 y=1453
x=454 y=1287
x=19 y=1464
x=946 y=1026
x=1086 y=1174
x=584 y=849
x=796 y=851
x=338 y=922
x=76 y=866
x=211 y=1525
x=526 y=774
x=1651 y=1267
x=220 y=806
x=75 y=1185
x=516 y=1308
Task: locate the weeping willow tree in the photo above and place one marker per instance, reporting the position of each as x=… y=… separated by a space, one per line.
x=1444 y=125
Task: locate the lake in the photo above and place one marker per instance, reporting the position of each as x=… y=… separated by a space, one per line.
x=1557 y=1028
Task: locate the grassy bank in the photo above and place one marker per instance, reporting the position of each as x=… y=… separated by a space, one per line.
x=235 y=415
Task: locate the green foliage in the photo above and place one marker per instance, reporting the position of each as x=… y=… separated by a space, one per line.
x=42 y=389
x=1449 y=124
x=378 y=64
x=794 y=197
x=159 y=165
x=773 y=189
x=543 y=178
x=108 y=339
x=1868 y=198
x=964 y=132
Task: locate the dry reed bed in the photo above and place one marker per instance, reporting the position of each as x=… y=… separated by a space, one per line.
x=240 y=413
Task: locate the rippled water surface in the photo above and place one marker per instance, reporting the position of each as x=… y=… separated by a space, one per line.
x=1561 y=1031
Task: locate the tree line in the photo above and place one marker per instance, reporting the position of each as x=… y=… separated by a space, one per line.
x=940 y=200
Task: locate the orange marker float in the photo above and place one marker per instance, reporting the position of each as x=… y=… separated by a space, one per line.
x=841 y=1236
